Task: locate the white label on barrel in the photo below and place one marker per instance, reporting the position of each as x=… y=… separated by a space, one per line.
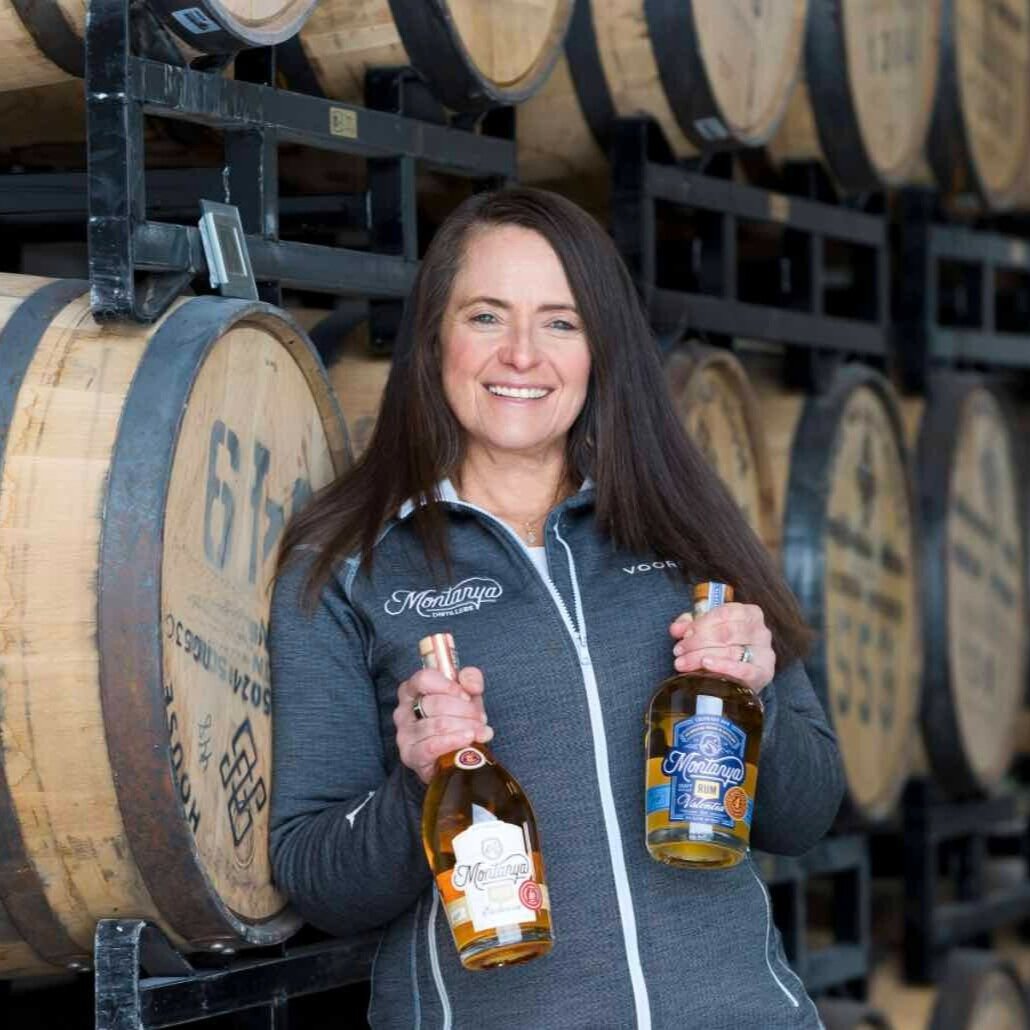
x=873 y=645
x=195 y=21
x=250 y=451
x=987 y=629
x=892 y=49
x=992 y=42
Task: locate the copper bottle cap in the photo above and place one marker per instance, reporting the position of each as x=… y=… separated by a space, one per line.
x=438 y=652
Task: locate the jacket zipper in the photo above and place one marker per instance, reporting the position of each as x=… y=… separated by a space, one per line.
x=613 y=833
x=434 y=961
x=768 y=934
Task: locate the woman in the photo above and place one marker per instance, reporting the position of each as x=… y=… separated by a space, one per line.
x=527 y=452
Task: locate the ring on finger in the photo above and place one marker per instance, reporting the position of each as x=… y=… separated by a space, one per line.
x=746 y=655
x=416 y=707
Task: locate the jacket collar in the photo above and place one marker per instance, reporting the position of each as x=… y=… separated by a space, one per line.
x=446 y=493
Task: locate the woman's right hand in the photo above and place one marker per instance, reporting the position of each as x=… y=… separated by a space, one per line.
x=454 y=717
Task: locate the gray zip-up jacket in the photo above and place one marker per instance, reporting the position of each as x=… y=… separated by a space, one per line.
x=570 y=665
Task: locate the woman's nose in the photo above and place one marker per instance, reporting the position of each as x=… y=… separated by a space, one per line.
x=519 y=349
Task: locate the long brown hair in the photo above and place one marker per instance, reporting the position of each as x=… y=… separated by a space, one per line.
x=656 y=493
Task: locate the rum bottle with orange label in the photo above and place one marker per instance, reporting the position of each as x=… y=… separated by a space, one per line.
x=480 y=837
x=703 y=734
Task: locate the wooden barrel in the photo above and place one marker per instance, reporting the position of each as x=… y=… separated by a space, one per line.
x=17 y=959
x=980 y=992
x=472 y=54
x=720 y=412
x=865 y=103
x=42 y=41
x=147 y=474
x=358 y=375
x=712 y=75
x=981 y=121
x=841 y=468
x=974 y=584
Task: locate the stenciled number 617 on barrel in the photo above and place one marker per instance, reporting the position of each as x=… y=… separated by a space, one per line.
x=703 y=733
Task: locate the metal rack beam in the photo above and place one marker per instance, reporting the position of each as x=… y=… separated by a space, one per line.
x=716 y=274
x=952 y=319
x=142 y=982
x=138 y=265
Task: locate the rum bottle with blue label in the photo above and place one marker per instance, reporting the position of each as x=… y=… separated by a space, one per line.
x=703 y=736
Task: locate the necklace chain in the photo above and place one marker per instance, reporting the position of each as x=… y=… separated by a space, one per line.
x=529 y=532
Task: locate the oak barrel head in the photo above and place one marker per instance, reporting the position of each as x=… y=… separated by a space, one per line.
x=720 y=412
x=472 y=55
x=849 y=553
x=975 y=589
x=979 y=132
x=228 y=429
x=871 y=76
x=147 y=476
x=712 y=76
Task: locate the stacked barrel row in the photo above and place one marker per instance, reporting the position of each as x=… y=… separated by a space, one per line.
x=882 y=93
x=145 y=481
x=899 y=524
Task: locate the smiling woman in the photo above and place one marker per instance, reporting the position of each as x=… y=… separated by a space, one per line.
x=515 y=370
x=526 y=465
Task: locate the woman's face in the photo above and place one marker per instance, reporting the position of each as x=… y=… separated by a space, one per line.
x=515 y=358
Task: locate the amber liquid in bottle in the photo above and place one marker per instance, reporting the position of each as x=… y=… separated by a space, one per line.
x=703 y=734
x=480 y=838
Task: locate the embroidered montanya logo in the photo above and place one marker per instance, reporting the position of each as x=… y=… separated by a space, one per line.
x=467 y=596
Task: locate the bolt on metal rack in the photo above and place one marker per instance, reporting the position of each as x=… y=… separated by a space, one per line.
x=138 y=266
x=171 y=991
x=709 y=285
x=964 y=298
x=842 y=965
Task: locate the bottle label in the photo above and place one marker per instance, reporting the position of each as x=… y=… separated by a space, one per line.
x=706 y=772
x=493 y=873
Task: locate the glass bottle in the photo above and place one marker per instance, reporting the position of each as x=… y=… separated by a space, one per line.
x=703 y=734
x=480 y=838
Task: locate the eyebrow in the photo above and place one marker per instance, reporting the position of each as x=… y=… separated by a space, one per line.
x=498 y=303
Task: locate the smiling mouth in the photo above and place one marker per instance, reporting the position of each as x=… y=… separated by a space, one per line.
x=520 y=393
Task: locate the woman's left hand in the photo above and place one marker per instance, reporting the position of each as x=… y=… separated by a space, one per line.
x=719 y=640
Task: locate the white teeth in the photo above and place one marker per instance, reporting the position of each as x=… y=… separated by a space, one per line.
x=527 y=393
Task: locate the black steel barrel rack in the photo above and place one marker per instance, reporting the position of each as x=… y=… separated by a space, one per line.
x=949 y=899
x=962 y=297
x=143 y=982
x=841 y=965
x=821 y=285
x=138 y=264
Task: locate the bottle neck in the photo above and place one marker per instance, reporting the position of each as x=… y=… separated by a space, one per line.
x=715 y=596
x=449 y=760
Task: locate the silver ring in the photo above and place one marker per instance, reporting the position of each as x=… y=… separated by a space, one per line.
x=746 y=655
x=416 y=707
